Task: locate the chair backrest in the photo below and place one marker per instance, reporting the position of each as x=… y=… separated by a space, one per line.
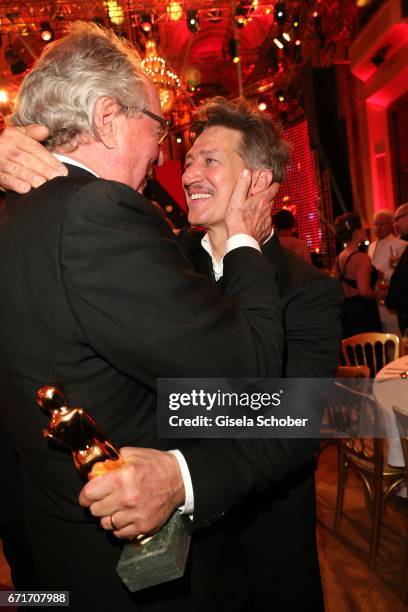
x=402 y=422
x=371 y=349
x=359 y=425
x=359 y=371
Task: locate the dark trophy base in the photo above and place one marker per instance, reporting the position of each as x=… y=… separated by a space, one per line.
x=160 y=559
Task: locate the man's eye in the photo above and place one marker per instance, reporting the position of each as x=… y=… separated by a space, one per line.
x=210 y=161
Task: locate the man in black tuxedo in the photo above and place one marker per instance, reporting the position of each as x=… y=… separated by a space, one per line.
x=397 y=296
x=276 y=527
x=97 y=295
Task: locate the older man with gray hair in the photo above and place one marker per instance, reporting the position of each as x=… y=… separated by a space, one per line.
x=97 y=296
x=387 y=247
x=384 y=252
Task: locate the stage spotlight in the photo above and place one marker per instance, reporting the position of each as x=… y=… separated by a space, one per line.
x=146 y=23
x=241 y=15
x=280 y=95
x=280 y=13
x=193 y=23
x=179 y=137
x=46 y=32
x=17 y=65
x=262 y=106
x=115 y=12
x=174 y=11
x=296 y=22
x=233 y=50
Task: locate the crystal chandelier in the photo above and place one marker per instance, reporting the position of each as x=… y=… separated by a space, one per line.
x=167 y=81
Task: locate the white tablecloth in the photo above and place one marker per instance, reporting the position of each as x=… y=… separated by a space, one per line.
x=391 y=390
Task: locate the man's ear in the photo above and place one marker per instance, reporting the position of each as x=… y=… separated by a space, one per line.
x=261 y=180
x=106 y=115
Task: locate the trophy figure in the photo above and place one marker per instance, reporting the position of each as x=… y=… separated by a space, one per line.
x=146 y=560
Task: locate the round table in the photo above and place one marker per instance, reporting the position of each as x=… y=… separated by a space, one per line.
x=391 y=390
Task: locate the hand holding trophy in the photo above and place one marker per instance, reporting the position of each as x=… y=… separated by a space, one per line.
x=146 y=561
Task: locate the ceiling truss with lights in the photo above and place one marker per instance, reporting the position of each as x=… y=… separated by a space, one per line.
x=200 y=40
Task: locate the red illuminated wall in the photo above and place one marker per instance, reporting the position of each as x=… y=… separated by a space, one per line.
x=300 y=193
x=169 y=176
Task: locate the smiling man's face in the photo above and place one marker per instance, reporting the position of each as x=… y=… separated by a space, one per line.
x=212 y=168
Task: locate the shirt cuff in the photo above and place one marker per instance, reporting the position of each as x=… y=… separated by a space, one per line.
x=241 y=240
x=188 y=507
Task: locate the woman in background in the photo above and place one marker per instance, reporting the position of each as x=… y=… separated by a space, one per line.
x=284 y=223
x=358 y=278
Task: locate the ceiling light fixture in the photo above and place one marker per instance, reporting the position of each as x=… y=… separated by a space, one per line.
x=46 y=32
x=280 y=13
x=174 y=11
x=193 y=22
x=146 y=23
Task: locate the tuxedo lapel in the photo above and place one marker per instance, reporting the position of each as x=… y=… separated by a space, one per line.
x=272 y=250
x=190 y=241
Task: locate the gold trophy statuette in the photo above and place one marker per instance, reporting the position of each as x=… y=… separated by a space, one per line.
x=146 y=561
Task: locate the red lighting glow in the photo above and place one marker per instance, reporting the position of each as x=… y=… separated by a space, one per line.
x=300 y=191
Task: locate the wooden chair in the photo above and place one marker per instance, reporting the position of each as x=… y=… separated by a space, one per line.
x=371 y=349
x=359 y=371
x=402 y=422
x=328 y=428
x=359 y=423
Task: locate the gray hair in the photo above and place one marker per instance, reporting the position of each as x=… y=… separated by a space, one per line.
x=71 y=75
x=402 y=209
x=384 y=212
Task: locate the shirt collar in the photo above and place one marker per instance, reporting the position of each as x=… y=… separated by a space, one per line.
x=218 y=266
x=73 y=162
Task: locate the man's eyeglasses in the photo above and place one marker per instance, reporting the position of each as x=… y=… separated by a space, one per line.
x=165 y=123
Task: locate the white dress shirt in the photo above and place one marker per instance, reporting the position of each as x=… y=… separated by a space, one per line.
x=380 y=252
x=68 y=160
x=234 y=242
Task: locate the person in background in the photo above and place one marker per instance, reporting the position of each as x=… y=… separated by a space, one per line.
x=397 y=297
x=353 y=268
x=284 y=222
x=385 y=252
x=387 y=247
x=400 y=222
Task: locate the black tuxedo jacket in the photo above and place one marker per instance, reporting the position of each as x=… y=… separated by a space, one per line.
x=97 y=296
x=275 y=523
x=397 y=297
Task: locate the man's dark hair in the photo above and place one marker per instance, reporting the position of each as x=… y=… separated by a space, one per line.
x=345 y=226
x=283 y=219
x=261 y=144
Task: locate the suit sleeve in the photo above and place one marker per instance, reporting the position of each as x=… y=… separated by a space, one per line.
x=224 y=472
x=143 y=308
x=397 y=297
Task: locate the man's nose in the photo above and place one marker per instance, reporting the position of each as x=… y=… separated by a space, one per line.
x=192 y=174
